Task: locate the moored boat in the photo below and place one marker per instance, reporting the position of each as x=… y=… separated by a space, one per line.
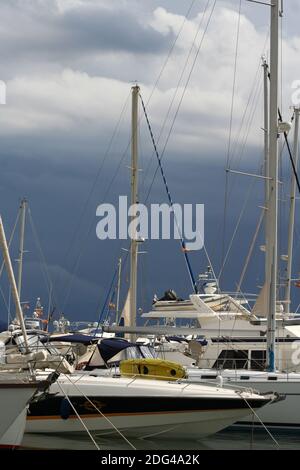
x=140 y=407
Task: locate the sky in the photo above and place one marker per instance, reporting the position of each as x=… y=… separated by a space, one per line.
x=69 y=66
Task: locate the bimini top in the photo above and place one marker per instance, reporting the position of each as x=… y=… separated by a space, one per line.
x=111 y=351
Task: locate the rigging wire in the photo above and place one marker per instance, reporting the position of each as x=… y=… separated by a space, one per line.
x=176 y=113
x=185 y=87
x=10 y=240
x=176 y=90
x=250 y=189
x=102 y=414
x=251 y=106
x=288 y=148
x=290 y=154
x=229 y=136
x=245 y=267
x=76 y=264
x=261 y=422
x=6 y=304
x=251 y=185
x=190 y=271
x=78 y=416
x=45 y=270
x=171 y=50
x=107 y=298
x=93 y=187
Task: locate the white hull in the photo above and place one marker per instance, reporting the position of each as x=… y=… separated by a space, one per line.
x=139 y=408
x=14 y=396
x=186 y=426
x=14 y=435
x=283 y=414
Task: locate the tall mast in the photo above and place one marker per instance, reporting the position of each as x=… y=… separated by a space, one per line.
x=266 y=156
x=11 y=277
x=287 y=296
x=272 y=212
x=118 y=289
x=134 y=200
x=21 y=246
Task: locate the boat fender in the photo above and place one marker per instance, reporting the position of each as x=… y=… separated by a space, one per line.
x=65 y=408
x=220 y=381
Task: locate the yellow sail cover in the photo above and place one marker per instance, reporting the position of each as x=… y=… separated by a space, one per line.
x=153 y=369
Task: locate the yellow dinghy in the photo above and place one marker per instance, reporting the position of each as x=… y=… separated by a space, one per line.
x=153 y=369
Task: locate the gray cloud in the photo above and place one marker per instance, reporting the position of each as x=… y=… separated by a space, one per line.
x=47 y=34
x=58 y=122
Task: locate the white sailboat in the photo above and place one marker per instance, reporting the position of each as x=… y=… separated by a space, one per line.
x=16 y=389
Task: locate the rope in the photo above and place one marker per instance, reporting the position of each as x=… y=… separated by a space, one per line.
x=256 y=415
x=103 y=416
x=80 y=419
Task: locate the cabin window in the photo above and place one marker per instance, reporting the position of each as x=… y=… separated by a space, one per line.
x=258 y=360
x=232 y=359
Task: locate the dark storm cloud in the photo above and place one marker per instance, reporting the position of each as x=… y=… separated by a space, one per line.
x=118 y=30
x=55 y=128
x=57 y=193
x=47 y=33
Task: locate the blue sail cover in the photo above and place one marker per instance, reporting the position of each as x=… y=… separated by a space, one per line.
x=109 y=347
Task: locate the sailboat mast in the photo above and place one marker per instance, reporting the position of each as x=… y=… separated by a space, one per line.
x=287 y=296
x=21 y=246
x=11 y=277
x=266 y=158
x=134 y=200
x=118 y=289
x=272 y=212
x=266 y=130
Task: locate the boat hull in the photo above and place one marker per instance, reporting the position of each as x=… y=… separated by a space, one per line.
x=14 y=397
x=171 y=410
x=13 y=437
x=281 y=415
